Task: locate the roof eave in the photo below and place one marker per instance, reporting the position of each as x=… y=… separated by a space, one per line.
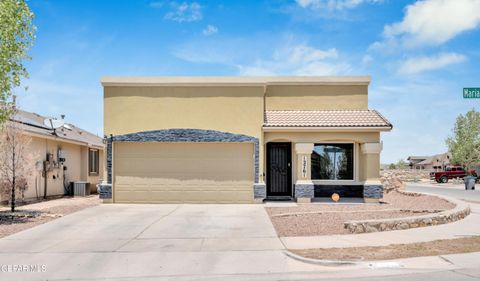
x=325 y=129
x=61 y=139
x=192 y=81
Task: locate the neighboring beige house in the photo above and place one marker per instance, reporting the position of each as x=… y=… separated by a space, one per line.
x=73 y=155
x=435 y=162
x=240 y=139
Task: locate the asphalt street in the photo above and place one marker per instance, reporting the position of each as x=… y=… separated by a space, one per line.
x=455 y=191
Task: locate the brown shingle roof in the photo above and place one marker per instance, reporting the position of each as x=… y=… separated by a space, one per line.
x=325 y=118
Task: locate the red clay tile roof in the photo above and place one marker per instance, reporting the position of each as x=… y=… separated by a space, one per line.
x=325 y=118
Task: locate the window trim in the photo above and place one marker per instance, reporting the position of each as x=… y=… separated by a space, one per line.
x=355 y=165
x=97 y=162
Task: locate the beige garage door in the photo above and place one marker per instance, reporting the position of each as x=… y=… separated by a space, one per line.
x=183 y=172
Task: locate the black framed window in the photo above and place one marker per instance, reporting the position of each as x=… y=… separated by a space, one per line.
x=93 y=161
x=332 y=161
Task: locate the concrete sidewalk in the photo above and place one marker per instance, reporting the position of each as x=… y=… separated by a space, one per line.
x=469 y=226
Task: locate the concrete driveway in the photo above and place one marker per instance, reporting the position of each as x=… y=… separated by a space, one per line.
x=151 y=241
x=179 y=242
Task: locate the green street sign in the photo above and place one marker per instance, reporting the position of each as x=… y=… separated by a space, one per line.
x=471 y=93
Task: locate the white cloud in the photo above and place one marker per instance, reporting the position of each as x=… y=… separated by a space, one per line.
x=425 y=63
x=209 y=30
x=333 y=5
x=289 y=58
x=297 y=60
x=184 y=12
x=431 y=23
x=367 y=59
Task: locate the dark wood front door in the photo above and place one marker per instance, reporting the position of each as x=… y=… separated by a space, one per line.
x=279 y=169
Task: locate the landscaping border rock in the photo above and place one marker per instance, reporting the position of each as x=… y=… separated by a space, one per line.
x=460 y=211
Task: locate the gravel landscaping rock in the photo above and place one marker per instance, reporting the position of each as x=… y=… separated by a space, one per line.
x=327 y=219
x=398 y=251
x=28 y=216
x=460 y=211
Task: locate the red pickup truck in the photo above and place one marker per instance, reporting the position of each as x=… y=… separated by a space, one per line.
x=450 y=172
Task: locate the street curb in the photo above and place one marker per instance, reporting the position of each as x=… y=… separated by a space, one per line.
x=335 y=263
x=459 y=212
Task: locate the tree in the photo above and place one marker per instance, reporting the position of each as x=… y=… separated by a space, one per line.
x=17 y=34
x=401 y=164
x=392 y=166
x=464 y=145
x=16 y=164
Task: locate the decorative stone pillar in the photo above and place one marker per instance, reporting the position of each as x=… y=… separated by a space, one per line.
x=304 y=188
x=104 y=188
x=259 y=192
x=372 y=189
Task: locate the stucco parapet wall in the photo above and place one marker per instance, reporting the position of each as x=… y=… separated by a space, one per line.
x=182 y=135
x=194 y=81
x=460 y=211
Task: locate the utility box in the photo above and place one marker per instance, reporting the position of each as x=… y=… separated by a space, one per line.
x=81 y=188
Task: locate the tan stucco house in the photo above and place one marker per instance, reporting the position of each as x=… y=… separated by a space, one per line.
x=240 y=139
x=58 y=156
x=435 y=162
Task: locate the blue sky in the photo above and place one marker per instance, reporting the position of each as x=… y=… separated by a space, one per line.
x=420 y=54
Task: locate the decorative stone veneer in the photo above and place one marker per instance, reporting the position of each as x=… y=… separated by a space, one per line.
x=304 y=190
x=260 y=190
x=104 y=190
x=181 y=135
x=109 y=160
x=373 y=191
x=459 y=212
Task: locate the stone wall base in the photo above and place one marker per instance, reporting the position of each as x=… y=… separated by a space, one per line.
x=461 y=210
x=304 y=190
x=104 y=190
x=259 y=191
x=373 y=191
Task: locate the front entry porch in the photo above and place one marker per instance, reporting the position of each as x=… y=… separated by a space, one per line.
x=306 y=170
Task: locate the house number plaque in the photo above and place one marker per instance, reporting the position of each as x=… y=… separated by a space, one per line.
x=304 y=166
